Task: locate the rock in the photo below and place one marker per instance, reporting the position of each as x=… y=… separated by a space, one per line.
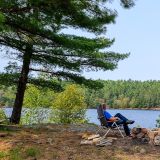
x=112 y=138
x=142 y=151
x=85 y=135
x=138 y=132
x=93 y=136
x=104 y=143
x=146 y=139
x=137 y=149
x=144 y=130
x=151 y=135
x=35 y=136
x=133 y=135
x=50 y=141
x=86 y=142
x=135 y=130
x=140 y=135
x=157 y=130
x=108 y=144
x=96 y=140
x=157 y=140
x=39 y=142
x=154 y=129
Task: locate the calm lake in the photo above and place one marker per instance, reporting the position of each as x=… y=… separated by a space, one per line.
x=143 y=118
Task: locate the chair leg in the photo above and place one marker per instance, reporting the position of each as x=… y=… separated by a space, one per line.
x=118 y=129
x=102 y=140
x=107 y=132
x=100 y=128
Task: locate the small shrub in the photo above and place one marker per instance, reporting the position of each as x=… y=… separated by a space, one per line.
x=2 y=114
x=35 y=116
x=3 y=117
x=69 y=106
x=38 y=98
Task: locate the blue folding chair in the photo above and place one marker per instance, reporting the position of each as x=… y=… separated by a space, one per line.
x=105 y=124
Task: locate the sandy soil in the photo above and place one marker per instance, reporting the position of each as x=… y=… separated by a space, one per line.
x=62 y=142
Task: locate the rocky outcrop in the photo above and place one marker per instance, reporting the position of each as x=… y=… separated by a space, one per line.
x=146 y=135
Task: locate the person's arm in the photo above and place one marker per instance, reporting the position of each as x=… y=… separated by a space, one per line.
x=113 y=119
x=109 y=117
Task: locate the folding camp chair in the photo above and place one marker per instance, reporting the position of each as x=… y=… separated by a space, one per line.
x=105 y=124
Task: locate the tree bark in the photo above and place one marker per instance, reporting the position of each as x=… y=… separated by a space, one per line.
x=17 y=108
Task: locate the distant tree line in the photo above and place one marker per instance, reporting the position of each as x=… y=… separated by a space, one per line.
x=126 y=94
x=117 y=94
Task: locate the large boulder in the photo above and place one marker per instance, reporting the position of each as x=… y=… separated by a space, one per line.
x=146 y=135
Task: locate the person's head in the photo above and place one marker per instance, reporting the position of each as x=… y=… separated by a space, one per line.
x=104 y=106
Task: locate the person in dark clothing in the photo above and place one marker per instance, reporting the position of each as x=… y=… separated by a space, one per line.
x=118 y=118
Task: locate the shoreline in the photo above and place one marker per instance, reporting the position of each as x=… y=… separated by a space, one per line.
x=148 y=109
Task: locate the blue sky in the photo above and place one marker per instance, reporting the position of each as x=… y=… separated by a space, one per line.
x=137 y=31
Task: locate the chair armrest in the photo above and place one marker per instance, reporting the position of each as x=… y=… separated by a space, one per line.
x=109 y=121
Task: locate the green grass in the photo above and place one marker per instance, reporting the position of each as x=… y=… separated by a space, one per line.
x=15 y=154
x=32 y=152
x=18 y=154
x=3 y=154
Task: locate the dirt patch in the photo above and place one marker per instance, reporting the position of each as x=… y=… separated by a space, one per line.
x=62 y=142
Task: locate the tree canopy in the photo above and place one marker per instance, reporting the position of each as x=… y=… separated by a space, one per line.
x=32 y=31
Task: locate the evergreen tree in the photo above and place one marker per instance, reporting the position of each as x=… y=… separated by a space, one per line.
x=32 y=31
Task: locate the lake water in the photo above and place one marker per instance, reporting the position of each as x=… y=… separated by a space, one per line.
x=143 y=118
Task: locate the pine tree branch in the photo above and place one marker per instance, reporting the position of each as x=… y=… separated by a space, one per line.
x=15 y=10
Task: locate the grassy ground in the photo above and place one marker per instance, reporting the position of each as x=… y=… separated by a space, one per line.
x=59 y=142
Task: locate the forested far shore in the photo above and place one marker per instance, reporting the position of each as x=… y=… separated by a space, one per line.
x=125 y=94
x=130 y=94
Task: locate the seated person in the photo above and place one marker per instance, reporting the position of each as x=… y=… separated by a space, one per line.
x=119 y=119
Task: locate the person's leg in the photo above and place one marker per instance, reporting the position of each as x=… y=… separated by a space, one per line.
x=126 y=129
x=125 y=120
x=121 y=117
x=109 y=124
x=125 y=126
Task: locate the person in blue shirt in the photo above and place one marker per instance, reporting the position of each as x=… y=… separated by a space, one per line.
x=118 y=118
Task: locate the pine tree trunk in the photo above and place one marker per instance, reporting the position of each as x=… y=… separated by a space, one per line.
x=17 y=108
